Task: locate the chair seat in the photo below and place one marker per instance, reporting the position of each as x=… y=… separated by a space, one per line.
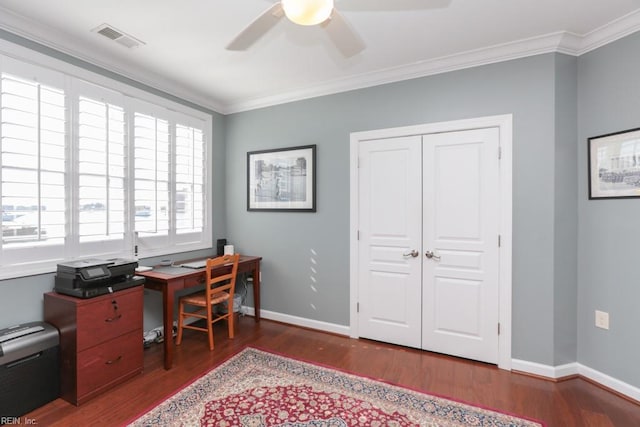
x=200 y=299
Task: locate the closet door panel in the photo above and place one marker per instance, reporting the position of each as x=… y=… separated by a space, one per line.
x=461 y=223
x=390 y=234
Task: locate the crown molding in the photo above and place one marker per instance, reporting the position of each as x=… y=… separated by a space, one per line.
x=559 y=42
x=608 y=33
x=469 y=59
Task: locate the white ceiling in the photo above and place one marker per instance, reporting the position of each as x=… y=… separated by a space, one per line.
x=184 y=41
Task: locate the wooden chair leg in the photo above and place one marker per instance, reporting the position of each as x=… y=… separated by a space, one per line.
x=230 y=318
x=210 y=327
x=180 y=316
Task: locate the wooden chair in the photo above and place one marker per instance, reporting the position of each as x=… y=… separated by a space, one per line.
x=218 y=288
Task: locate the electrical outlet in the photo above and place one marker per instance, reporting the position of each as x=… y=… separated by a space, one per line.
x=602 y=319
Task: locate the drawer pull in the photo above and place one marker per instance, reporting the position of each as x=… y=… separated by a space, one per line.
x=111 y=362
x=113 y=319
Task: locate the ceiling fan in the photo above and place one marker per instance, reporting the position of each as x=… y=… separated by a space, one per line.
x=324 y=13
x=302 y=12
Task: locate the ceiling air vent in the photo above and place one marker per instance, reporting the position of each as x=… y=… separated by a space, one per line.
x=118 y=36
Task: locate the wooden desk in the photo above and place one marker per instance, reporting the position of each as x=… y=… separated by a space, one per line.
x=168 y=280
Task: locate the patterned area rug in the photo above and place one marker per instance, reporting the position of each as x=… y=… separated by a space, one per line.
x=256 y=388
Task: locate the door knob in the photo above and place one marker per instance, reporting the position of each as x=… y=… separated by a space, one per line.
x=413 y=253
x=431 y=255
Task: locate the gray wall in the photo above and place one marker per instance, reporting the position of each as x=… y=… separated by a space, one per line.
x=566 y=211
x=526 y=88
x=609 y=230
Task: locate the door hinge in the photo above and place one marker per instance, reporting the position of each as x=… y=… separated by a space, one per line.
x=499 y=153
x=499 y=240
x=357 y=307
x=498 y=328
x=358 y=235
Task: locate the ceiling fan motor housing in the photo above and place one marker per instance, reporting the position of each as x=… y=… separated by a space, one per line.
x=307 y=12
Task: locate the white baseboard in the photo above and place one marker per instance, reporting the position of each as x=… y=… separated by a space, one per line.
x=610 y=382
x=555 y=372
x=299 y=321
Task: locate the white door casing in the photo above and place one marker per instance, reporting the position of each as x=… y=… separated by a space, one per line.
x=503 y=199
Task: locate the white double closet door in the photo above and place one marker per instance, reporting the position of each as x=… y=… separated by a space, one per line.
x=428 y=242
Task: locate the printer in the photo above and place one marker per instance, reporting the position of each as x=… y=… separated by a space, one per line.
x=90 y=278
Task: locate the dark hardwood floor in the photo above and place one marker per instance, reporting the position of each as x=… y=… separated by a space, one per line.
x=574 y=402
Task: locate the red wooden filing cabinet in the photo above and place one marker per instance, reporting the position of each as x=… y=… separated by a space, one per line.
x=100 y=340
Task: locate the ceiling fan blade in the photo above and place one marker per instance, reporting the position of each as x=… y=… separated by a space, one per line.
x=257 y=28
x=342 y=35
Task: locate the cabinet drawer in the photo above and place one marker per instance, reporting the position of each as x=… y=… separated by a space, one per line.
x=109 y=363
x=109 y=317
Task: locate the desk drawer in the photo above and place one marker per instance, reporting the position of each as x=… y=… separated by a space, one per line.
x=109 y=317
x=197 y=280
x=109 y=363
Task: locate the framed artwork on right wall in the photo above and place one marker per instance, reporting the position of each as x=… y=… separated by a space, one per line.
x=614 y=165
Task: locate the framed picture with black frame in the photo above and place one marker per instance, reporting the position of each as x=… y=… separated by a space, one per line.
x=614 y=165
x=282 y=179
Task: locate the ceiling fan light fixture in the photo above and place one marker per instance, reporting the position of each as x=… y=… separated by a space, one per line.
x=307 y=12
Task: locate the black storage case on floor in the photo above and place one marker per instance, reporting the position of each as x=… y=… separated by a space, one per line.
x=29 y=367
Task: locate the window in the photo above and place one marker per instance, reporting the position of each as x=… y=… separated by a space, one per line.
x=151 y=169
x=101 y=171
x=32 y=160
x=169 y=174
x=189 y=179
x=84 y=168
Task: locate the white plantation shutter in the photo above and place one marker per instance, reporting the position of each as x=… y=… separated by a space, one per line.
x=170 y=180
x=33 y=156
x=151 y=172
x=101 y=171
x=189 y=179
